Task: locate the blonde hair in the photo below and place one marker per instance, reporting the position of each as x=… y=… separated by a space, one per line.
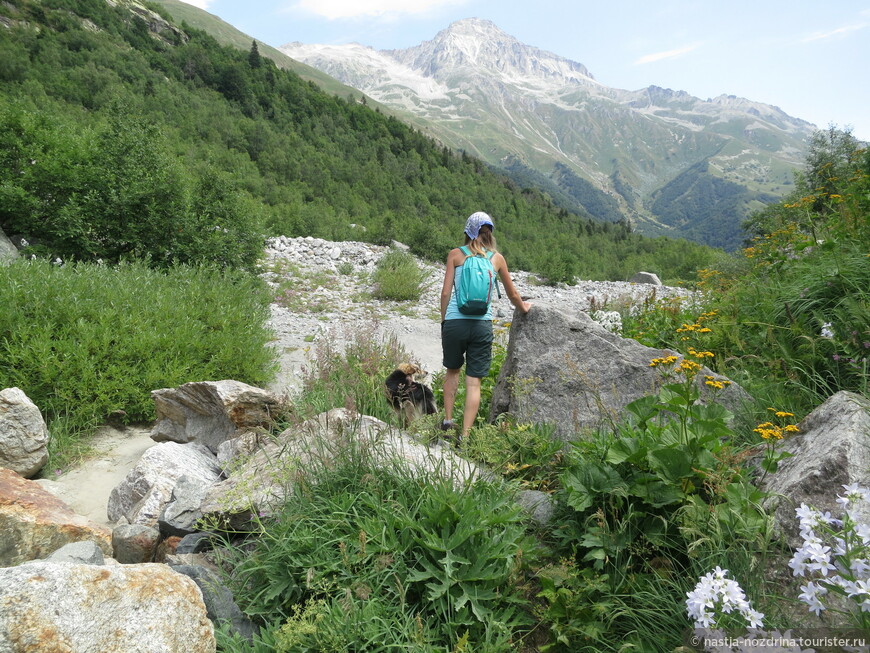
x=485 y=241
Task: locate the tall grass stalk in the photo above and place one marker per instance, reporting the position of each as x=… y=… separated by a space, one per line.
x=348 y=370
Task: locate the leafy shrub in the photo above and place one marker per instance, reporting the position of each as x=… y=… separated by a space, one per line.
x=528 y=453
x=655 y=321
x=642 y=510
x=85 y=341
x=669 y=462
x=365 y=559
x=116 y=191
x=398 y=277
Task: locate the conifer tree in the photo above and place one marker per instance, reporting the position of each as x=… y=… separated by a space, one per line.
x=254 y=56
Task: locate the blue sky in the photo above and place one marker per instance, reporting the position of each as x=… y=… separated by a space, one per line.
x=811 y=58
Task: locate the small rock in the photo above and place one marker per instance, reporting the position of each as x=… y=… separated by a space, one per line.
x=219 y=603
x=646 y=277
x=135 y=543
x=195 y=543
x=85 y=553
x=537 y=505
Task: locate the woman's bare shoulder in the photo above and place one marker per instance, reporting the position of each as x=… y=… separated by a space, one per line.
x=455 y=254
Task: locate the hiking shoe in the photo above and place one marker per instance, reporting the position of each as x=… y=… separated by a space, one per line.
x=447 y=425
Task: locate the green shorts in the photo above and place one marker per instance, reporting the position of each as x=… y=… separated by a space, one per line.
x=471 y=339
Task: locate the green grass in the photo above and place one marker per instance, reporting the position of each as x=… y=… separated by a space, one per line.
x=398 y=277
x=86 y=342
x=373 y=557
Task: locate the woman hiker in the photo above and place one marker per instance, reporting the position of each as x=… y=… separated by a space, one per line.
x=466 y=334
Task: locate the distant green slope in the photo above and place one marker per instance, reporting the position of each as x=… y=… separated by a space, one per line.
x=226 y=34
x=706 y=208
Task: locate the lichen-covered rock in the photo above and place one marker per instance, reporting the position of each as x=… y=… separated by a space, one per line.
x=50 y=606
x=35 y=523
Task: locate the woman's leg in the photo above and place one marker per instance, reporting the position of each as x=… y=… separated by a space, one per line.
x=472 y=402
x=451 y=385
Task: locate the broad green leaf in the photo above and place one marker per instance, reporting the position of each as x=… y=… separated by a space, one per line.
x=625 y=449
x=671 y=463
x=656 y=493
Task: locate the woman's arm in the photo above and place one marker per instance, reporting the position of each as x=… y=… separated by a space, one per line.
x=509 y=288
x=449 y=273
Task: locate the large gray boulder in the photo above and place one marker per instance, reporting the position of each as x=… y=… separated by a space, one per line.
x=832 y=449
x=8 y=251
x=646 y=277
x=48 y=606
x=23 y=434
x=261 y=483
x=565 y=369
x=210 y=412
x=148 y=487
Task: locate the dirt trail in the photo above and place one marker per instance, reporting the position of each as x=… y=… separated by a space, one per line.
x=86 y=488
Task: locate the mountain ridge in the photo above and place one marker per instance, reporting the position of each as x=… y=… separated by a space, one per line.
x=479 y=89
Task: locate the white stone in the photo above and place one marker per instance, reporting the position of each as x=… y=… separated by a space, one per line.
x=23 y=434
x=146 y=490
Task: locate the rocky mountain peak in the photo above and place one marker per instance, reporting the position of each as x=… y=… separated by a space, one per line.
x=479 y=45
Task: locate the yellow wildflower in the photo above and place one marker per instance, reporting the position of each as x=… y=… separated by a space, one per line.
x=768 y=431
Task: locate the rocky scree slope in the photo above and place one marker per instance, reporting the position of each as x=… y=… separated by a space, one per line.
x=324 y=289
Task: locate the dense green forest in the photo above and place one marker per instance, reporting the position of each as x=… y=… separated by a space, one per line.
x=700 y=203
x=117 y=141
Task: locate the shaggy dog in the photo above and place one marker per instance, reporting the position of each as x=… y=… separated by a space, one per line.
x=409 y=397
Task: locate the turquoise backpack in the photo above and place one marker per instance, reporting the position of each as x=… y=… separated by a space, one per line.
x=474 y=290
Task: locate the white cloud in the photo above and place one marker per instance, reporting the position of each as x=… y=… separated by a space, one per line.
x=202 y=4
x=841 y=31
x=334 y=9
x=668 y=54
